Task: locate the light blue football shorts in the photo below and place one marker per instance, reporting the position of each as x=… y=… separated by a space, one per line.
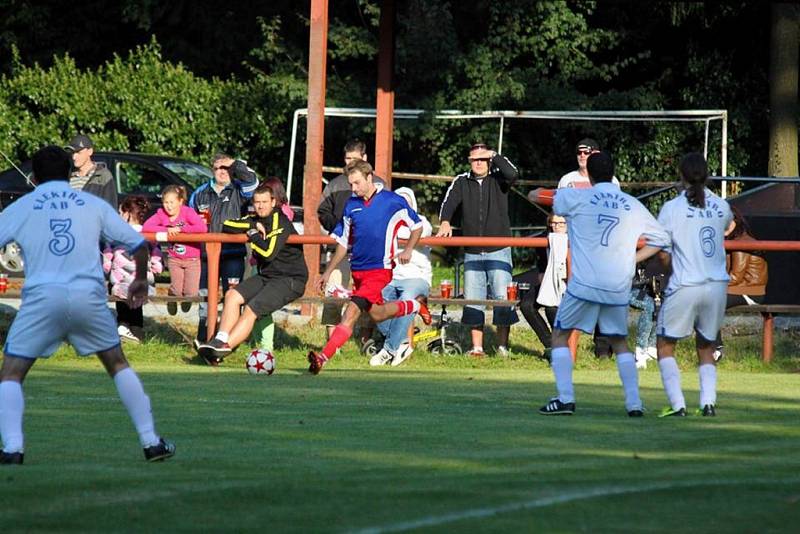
x=53 y=313
x=691 y=309
x=578 y=314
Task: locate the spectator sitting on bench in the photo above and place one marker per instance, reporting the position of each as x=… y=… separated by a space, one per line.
x=281 y=278
x=748 y=272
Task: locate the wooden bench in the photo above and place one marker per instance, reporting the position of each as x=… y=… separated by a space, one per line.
x=768 y=312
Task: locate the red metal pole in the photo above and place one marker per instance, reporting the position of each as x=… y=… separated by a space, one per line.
x=766 y=341
x=384 y=120
x=213 y=251
x=315 y=137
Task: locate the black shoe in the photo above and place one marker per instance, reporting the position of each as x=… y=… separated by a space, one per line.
x=12 y=458
x=214 y=348
x=157 y=453
x=547 y=354
x=635 y=413
x=669 y=412
x=556 y=407
x=709 y=411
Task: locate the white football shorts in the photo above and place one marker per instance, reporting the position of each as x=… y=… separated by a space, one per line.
x=578 y=314
x=690 y=309
x=51 y=314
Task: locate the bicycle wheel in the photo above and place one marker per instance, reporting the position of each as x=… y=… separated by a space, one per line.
x=451 y=348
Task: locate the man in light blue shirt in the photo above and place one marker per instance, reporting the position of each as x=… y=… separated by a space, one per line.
x=604 y=226
x=64 y=296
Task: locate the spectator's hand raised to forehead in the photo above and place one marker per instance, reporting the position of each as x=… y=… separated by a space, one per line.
x=444 y=230
x=482 y=153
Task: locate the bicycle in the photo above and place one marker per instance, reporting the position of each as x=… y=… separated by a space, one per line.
x=438 y=341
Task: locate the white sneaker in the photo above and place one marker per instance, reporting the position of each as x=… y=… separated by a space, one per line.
x=641 y=358
x=337 y=291
x=126 y=334
x=502 y=350
x=402 y=354
x=382 y=358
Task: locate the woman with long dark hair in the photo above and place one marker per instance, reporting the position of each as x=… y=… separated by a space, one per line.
x=695 y=296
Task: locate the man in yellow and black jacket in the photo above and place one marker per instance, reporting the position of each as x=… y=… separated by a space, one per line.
x=281 y=278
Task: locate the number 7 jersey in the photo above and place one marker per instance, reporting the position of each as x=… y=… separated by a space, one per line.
x=698 y=234
x=59 y=230
x=604 y=225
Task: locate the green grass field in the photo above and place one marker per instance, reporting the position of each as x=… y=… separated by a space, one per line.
x=438 y=444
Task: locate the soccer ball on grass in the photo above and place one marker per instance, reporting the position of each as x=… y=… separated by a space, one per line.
x=260 y=362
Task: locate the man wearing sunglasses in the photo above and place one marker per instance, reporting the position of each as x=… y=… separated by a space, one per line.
x=481 y=195
x=580 y=178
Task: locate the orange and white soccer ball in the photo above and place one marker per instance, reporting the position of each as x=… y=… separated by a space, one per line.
x=260 y=362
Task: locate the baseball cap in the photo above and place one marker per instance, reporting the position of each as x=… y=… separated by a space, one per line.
x=79 y=142
x=587 y=143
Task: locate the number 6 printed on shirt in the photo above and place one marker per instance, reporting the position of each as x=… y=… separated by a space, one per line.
x=610 y=222
x=63 y=241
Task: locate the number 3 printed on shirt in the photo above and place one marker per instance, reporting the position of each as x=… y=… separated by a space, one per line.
x=63 y=241
x=610 y=222
x=707 y=235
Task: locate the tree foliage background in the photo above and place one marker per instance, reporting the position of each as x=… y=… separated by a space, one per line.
x=190 y=78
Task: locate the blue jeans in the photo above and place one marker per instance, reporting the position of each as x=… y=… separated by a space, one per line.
x=492 y=269
x=645 y=326
x=396 y=330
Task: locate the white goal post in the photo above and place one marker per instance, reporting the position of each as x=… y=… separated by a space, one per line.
x=692 y=115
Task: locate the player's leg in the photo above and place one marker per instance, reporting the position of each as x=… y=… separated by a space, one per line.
x=710 y=314
x=612 y=323
x=397 y=339
x=230 y=311
x=136 y=401
x=273 y=295
x=670 y=378
x=12 y=407
x=474 y=288
x=341 y=333
x=561 y=363
x=675 y=321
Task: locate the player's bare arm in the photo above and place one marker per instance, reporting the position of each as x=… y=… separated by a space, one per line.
x=646 y=252
x=338 y=256
x=405 y=256
x=137 y=292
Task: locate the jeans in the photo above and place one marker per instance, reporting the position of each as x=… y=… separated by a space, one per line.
x=492 y=269
x=396 y=330
x=645 y=326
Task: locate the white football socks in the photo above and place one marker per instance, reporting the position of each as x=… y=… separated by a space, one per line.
x=708 y=384
x=137 y=402
x=12 y=406
x=626 y=366
x=222 y=336
x=561 y=362
x=671 y=378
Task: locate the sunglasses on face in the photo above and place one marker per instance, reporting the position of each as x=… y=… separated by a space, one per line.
x=584 y=151
x=221 y=168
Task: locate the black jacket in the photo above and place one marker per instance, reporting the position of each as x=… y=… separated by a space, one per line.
x=230 y=203
x=276 y=258
x=484 y=208
x=334 y=197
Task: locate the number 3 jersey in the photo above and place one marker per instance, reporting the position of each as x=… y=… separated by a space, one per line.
x=698 y=253
x=59 y=230
x=604 y=225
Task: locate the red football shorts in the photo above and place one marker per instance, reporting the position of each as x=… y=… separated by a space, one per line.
x=369 y=284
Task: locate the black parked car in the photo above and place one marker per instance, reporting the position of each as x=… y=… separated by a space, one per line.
x=135 y=174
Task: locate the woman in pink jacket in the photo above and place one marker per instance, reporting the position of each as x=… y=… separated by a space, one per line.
x=176 y=217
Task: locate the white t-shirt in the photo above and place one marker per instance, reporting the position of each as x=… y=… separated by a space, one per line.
x=604 y=225
x=420 y=264
x=574 y=179
x=698 y=253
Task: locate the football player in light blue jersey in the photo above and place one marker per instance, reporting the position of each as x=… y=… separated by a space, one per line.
x=64 y=296
x=696 y=294
x=604 y=225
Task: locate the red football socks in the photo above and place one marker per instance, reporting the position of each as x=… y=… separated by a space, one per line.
x=339 y=337
x=406 y=307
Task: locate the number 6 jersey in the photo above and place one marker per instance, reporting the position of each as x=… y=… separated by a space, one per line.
x=59 y=230
x=698 y=253
x=604 y=224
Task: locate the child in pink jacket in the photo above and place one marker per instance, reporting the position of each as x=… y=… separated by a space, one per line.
x=184 y=258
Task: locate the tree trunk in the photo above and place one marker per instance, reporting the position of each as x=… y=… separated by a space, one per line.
x=783 y=74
